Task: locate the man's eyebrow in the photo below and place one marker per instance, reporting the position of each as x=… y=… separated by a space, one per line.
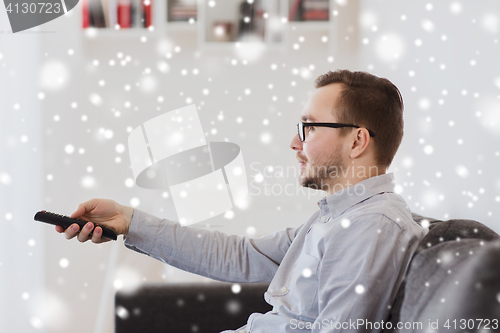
x=308 y=117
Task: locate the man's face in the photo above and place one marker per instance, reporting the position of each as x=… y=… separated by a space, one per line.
x=323 y=150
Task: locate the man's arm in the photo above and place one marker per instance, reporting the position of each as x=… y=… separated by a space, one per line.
x=360 y=273
x=212 y=254
x=209 y=253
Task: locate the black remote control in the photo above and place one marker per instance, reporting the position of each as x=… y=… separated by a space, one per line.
x=66 y=221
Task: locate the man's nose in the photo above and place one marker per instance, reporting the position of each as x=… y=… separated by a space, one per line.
x=296 y=144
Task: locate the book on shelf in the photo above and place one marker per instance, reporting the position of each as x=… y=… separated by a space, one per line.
x=251 y=22
x=147 y=14
x=315 y=15
x=309 y=10
x=85 y=14
x=97 y=17
x=122 y=13
x=181 y=10
x=316 y=5
x=251 y=25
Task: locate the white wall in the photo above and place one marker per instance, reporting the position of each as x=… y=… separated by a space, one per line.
x=84 y=289
x=448 y=73
x=22 y=245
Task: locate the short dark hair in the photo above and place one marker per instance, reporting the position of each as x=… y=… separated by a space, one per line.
x=371 y=102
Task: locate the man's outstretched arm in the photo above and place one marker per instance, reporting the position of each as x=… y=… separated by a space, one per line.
x=208 y=253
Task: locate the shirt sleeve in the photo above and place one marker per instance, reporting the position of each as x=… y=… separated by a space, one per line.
x=360 y=273
x=209 y=253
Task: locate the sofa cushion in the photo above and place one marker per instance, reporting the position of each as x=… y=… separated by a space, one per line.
x=427 y=275
x=431 y=271
x=443 y=231
x=470 y=301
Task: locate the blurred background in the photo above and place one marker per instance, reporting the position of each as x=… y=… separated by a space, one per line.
x=71 y=91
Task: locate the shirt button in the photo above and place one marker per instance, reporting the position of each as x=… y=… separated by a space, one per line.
x=284 y=289
x=323 y=218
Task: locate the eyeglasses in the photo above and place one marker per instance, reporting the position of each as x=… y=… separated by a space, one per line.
x=301 y=128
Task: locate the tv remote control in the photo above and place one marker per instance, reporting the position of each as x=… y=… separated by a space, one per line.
x=66 y=221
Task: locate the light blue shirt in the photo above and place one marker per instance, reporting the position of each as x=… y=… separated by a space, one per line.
x=344 y=265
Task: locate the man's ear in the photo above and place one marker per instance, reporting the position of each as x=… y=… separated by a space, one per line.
x=361 y=139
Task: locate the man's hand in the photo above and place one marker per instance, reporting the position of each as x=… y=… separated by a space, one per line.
x=106 y=212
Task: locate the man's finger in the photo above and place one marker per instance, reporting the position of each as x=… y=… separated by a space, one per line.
x=97 y=235
x=79 y=211
x=83 y=236
x=84 y=207
x=72 y=231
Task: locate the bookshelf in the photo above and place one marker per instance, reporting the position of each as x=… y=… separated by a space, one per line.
x=217 y=23
x=229 y=22
x=117 y=14
x=182 y=11
x=309 y=11
x=299 y=22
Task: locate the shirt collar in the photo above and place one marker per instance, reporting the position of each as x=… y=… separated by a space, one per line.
x=340 y=201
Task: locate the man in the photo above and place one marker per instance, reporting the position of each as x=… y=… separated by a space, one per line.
x=340 y=270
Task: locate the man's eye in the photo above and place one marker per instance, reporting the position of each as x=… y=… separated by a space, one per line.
x=309 y=128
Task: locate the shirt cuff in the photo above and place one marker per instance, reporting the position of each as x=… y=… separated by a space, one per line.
x=143 y=232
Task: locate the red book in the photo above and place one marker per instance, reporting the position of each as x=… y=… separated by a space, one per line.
x=315 y=15
x=85 y=14
x=124 y=11
x=147 y=13
x=293 y=10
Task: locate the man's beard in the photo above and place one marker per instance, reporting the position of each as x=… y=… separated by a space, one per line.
x=322 y=175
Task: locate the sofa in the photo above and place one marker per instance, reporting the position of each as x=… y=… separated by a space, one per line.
x=452 y=285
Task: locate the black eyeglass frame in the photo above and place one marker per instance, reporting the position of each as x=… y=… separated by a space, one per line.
x=302 y=125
